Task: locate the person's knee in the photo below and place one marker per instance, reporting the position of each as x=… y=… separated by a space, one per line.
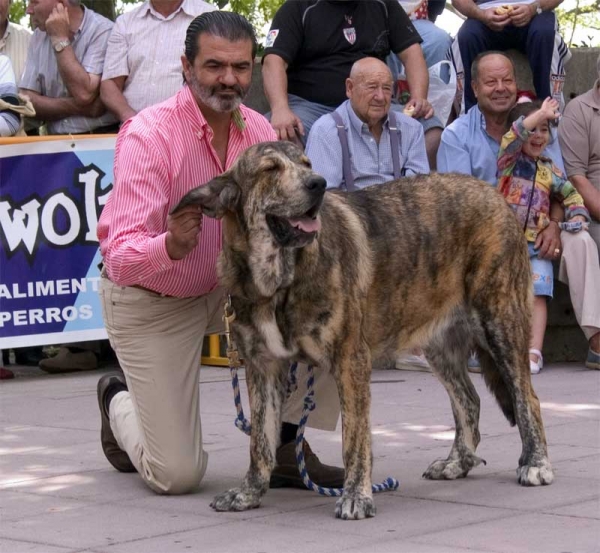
x=541 y=29
x=176 y=476
x=470 y=31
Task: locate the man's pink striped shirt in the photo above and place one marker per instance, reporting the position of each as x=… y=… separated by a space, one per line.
x=161 y=154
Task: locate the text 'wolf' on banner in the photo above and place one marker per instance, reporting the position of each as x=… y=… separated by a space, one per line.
x=51 y=195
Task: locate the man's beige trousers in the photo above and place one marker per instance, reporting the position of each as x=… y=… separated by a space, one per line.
x=158 y=341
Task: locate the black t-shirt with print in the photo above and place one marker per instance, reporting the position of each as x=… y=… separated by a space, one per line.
x=321 y=39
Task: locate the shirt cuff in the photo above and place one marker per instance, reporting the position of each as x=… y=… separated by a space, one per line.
x=157 y=254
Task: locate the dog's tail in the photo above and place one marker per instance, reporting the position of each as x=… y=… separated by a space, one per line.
x=497 y=385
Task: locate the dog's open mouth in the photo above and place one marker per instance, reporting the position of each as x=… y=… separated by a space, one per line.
x=295 y=231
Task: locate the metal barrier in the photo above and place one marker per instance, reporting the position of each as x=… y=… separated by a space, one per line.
x=214 y=357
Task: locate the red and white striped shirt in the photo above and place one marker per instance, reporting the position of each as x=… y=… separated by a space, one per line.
x=160 y=155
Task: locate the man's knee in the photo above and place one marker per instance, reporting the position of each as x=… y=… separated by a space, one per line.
x=175 y=476
x=471 y=32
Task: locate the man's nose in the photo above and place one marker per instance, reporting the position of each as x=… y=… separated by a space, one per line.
x=228 y=76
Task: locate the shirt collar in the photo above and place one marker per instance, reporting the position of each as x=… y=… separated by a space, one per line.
x=148 y=9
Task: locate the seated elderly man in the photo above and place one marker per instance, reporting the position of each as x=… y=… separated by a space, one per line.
x=529 y=26
x=362 y=142
x=9 y=120
x=579 y=136
x=470 y=145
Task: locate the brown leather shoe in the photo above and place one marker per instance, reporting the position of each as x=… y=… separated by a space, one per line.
x=115 y=455
x=286 y=475
x=66 y=361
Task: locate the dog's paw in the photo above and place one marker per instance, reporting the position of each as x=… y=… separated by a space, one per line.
x=354 y=507
x=236 y=499
x=539 y=475
x=451 y=469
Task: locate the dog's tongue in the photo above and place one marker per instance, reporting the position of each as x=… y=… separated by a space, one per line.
x=306 y=224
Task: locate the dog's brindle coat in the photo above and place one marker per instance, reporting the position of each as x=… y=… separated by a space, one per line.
x=341 y=281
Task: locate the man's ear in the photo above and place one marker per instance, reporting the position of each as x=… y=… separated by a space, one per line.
x=349 y=87
x=216 y=197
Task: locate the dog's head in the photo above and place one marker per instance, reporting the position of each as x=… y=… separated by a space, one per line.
x=271 y=186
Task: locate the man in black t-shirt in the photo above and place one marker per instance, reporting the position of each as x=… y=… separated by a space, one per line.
x=311 y=47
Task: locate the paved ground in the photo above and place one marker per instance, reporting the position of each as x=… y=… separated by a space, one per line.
x=59 y=495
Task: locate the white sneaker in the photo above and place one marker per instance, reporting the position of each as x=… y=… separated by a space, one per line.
x=408 y=361
x=536 y=366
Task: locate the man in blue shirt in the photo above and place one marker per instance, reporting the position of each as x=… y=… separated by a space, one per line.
x=470 y=145
x=367 y=129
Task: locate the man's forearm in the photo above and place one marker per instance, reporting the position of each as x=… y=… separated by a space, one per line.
x=468 y=8
x=83 y=87
x=417 y=75
x=589 y=193
x=111 y=92
x=549 y=5
x=275 y=81
x=53 y=109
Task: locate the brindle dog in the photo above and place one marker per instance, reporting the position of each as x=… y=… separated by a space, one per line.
x=341 y=280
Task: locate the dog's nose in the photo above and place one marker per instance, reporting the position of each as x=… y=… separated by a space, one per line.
x=316 y=183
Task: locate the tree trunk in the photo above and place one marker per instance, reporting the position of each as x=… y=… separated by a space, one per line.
x=103 y=7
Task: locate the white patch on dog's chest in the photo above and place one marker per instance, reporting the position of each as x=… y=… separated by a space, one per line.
x=273 y=339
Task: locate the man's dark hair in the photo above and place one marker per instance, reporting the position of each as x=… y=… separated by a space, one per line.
x=228 y=25
x=480 y=56
x=524 y=109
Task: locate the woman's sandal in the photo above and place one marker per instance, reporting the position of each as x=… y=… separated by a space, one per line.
x=536 y=366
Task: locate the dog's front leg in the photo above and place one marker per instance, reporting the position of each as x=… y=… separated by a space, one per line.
x=266 y=391
x=354 y=386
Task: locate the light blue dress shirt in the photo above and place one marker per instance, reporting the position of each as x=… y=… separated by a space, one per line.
x=467 y=148
x=371 y=163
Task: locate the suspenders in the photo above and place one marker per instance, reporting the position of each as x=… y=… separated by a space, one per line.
x=346 y=165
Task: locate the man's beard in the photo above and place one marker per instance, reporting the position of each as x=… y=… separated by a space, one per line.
x=209 y=95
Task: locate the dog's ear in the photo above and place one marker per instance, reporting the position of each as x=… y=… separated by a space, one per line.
x=216 y=197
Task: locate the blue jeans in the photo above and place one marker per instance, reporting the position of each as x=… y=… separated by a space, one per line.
x=435 y=45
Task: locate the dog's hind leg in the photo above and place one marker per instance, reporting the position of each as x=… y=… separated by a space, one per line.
x=447 y=353
x=511 y=384
x=266 y=390
x=353 y=377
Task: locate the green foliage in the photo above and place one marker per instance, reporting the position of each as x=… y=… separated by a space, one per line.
x=585 y=14
x=17 y=10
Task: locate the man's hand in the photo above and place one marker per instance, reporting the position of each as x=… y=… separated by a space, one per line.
x=522 y=14
x=496 y=22
x=183 y=231
x=548 y=242
x=57 y=24
x=287 y=124
x=421 y=108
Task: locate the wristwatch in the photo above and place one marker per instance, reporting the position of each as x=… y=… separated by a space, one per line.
x=60 y=46
x=538 y=8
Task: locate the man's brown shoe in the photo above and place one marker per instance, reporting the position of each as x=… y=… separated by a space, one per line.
x=286 y=475
x=115 y=455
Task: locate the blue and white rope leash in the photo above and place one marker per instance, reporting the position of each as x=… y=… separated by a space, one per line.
x=309 y=404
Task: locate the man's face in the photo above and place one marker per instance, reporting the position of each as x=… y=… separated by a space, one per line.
x=40 y=10
x=495 y=87
x=4 y=11
x=370 y=94
x=221 y=74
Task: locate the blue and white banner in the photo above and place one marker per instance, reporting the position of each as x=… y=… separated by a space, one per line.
x=51 y=195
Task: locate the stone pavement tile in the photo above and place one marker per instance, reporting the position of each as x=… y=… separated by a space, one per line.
x=257 y=535
x=15 y=469
x=581 y=509
x=98 y=486
x=587 y=467
x=14 y=546
x=15 y=506
x=18 y=439
x=501 y=490
x=99 y=526
x=409 y=546
x=581 y=432
x=403 y=517
x=526 y=533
